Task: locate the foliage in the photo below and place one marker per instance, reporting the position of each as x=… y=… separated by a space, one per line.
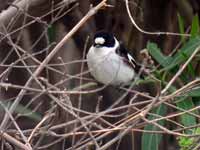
x=49 y=100
x=168 y=67
x=186 y=143
x=152 y=140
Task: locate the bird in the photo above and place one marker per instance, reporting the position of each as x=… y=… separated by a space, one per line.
x=109 y=61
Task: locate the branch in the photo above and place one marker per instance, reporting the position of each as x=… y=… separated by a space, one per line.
x=17 y=10
x=148 y=32
x=91 y=12
x=180 y=71
x=14 y=141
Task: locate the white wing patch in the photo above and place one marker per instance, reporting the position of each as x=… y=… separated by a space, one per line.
x=99 y=40
x=131 y=60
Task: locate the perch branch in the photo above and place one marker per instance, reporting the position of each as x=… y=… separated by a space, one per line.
x=90 y=13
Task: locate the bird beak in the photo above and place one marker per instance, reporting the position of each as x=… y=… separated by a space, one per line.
x=97 y=45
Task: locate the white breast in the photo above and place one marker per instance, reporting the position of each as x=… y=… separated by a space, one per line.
x=107 y=67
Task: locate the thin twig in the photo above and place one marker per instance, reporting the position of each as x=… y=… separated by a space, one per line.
x=38 y=125
x=14 y=141
x=147 y=32
x=180 y=70
x=91 y=12
x=17 y=127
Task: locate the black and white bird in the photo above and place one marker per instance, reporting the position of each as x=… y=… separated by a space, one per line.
x=109 y=62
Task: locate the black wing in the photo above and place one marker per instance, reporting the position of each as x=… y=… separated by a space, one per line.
x=122 y=51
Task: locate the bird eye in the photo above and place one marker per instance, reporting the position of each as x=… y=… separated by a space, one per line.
x=99 y=41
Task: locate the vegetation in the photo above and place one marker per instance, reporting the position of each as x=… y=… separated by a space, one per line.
x=50 y=101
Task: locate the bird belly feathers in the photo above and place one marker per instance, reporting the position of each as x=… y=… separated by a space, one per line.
x=108 y=68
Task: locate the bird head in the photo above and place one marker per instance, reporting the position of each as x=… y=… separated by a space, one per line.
x=104 y=39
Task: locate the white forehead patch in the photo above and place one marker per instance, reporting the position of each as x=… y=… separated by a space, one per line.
x=99 y=40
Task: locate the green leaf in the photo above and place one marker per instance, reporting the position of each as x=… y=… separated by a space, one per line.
x=181 y=27
x=181 y=56
x=151 y=141
x=186 y=119
x=51 y=33
x=191 y=70
x=197 y=131
x=185 y=142
x=195 y=26
x=195 y=92
x=25 y=112
x=186 y=50
x=185 y=103
x=28 y=112
x=155 y=52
